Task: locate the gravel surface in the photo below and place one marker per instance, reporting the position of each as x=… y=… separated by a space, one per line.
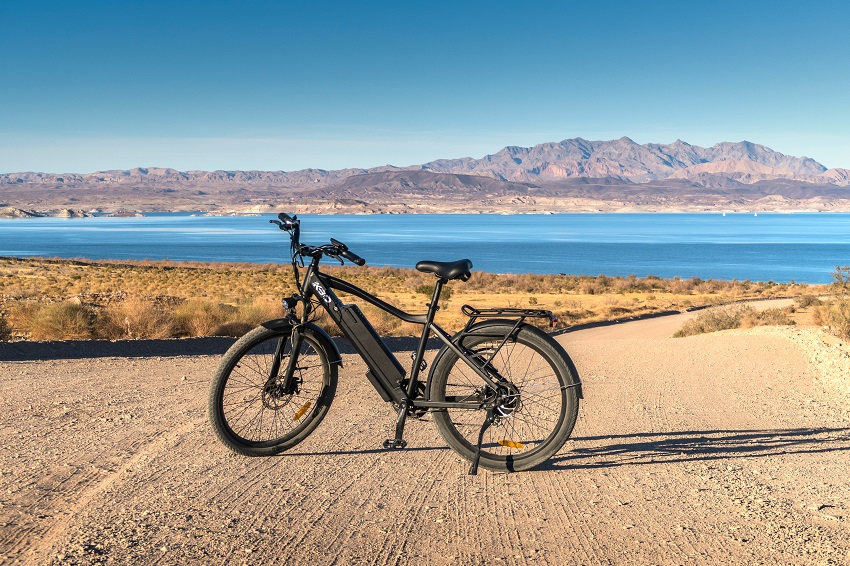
x=723 y=448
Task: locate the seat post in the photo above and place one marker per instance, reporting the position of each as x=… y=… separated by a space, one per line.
x=434 y=306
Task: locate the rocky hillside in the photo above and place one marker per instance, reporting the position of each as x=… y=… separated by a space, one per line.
x=624 y=159
x=574 y=174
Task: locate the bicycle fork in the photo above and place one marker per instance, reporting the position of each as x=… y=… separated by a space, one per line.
x=288 y=383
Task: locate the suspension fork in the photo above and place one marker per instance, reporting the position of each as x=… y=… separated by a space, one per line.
x=288 y=384
x=297 y=339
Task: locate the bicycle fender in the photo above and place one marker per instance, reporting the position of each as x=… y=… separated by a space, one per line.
x=327 y=342
x=480 y=328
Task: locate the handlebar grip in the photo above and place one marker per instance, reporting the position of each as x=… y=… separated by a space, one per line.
x=350 y=256
x=353 y=258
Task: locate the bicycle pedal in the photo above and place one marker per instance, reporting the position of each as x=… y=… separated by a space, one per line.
x=393 y=444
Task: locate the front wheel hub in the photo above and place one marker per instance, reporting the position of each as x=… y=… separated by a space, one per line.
x=274 y=397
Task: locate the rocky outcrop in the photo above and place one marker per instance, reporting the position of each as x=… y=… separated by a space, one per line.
x=11 y=212
x=70 y=213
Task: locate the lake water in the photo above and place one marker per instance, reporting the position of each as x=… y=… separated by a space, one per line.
x=777 y=247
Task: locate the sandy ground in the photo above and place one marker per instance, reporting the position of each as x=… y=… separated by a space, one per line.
x=725 y=448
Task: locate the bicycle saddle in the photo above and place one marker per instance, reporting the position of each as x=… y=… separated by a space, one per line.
x=448 y=270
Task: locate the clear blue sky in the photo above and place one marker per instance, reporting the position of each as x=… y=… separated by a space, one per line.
x=286 y=85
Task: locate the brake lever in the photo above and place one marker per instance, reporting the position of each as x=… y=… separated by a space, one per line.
x=328 y=253
x=279 y=224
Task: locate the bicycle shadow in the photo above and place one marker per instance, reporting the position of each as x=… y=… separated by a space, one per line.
x=693 y=446
x=664 y=448
x=365 y=451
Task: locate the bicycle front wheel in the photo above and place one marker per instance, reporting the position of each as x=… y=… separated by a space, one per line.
x=532 y=424
x=248 y=408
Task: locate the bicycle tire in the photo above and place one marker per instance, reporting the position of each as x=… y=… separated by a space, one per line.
x=537 y=427
x=248 y=415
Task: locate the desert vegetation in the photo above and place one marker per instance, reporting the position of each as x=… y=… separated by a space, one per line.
x=834 y=313
x=734 y=316
x=43 y=299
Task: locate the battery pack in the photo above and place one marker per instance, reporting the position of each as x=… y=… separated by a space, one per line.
x=386 y=372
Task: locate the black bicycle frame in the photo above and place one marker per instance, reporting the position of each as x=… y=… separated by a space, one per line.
x=322 y=286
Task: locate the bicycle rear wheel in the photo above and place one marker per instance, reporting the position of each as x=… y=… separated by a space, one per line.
x=248 y=409
x=534 y=423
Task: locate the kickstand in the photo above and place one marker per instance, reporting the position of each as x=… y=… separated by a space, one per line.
x=491 y=416
x=398 y=443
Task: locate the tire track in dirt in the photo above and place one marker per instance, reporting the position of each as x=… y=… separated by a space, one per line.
x=569 y=495
x=413 y=514
x=41 y=551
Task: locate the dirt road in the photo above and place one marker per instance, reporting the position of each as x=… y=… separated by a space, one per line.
x=725 y=448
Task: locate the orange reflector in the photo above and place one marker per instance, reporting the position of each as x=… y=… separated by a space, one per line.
x=302 y=410
x=512 y=444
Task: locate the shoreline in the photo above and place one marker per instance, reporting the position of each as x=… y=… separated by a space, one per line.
x=13 y=212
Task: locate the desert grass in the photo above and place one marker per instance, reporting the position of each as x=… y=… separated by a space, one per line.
x=5 y=330
x=136 y=318
x=135 y=299
x=64 y=320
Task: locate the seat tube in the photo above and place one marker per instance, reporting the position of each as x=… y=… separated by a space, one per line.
x=433 y=307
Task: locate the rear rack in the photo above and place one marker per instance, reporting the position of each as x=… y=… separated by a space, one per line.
x=474 y=313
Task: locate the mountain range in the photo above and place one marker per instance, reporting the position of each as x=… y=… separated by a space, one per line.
x=574 y=174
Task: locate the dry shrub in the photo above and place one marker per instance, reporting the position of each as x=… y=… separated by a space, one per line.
x=428 y=290
x=836 y=315
x=839 y=317
x=767 y=317
x=56 y=321
x=805 y=301
x=820 y=315
x=715 y=319
x=20 y=314
x=201 y=318
x=5 y=331
x=732 y=316
x=134 y=318
x=384 y=323
x=259 y=310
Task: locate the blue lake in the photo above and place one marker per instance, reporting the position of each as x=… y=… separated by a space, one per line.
x=777 y=247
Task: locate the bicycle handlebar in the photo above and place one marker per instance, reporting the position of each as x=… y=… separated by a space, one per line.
x=335 y=250
x=348 y=254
